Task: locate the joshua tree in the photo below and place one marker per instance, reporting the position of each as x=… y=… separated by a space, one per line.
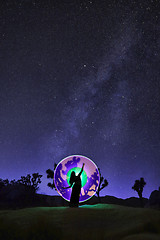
x=138 y=187
x=50 y=174
x=1 y=183
x=31 y=182
x=4 y=183
x=102 y=184
x=36 y=180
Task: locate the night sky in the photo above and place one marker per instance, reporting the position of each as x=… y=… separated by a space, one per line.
x=81 y=77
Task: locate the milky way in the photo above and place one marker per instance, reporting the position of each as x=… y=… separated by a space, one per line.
x=81 y=78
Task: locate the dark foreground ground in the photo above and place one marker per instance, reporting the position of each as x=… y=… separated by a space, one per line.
x=101 y=221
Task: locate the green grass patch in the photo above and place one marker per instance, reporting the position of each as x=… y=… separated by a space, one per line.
x=101 y=221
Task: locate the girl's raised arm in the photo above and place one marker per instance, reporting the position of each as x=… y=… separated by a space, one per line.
x=81 y=170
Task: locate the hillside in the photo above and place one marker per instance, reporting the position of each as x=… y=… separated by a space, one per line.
x=14 y=198
x=101 y=221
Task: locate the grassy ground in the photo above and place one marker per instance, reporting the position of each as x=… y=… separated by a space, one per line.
x=101 y=221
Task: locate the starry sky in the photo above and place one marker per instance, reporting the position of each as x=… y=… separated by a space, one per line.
x=81 y=77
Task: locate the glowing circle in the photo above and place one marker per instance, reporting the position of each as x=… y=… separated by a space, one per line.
x=89 y=178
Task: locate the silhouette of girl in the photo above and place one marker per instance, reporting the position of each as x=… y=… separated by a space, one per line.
x=75 y=181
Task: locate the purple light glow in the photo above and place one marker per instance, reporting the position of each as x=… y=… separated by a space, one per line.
x=76 y=161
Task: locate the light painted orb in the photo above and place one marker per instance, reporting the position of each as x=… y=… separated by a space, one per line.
x=89 y=178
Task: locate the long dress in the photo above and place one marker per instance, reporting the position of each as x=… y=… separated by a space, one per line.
x=76 y=190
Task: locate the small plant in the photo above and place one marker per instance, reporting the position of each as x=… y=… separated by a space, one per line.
x=50 y=174
x=102 y=184
x=138 y=187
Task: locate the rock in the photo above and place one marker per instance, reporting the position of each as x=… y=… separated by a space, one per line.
x=154 y=199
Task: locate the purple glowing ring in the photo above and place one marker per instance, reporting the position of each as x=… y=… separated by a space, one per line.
x=90 y=176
